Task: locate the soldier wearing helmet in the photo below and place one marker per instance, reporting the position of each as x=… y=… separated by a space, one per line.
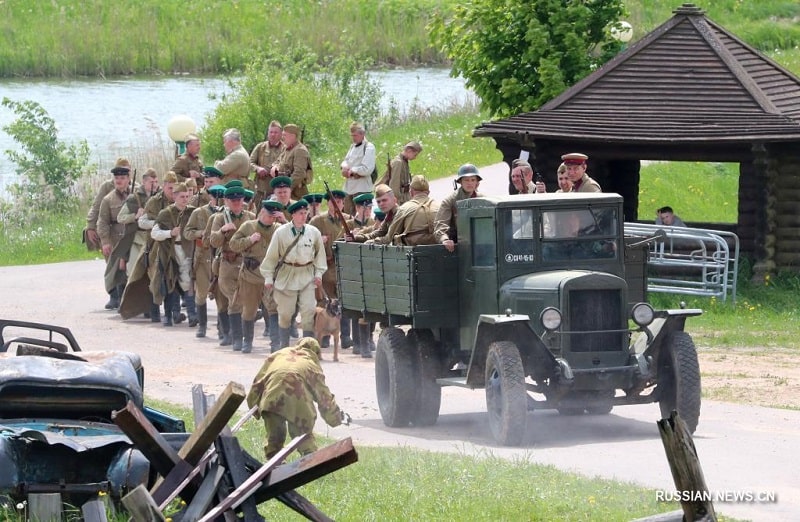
x=467 y=180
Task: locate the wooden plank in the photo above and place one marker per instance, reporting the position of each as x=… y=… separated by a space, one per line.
x=244 y=491
x=213 y=423
x=300 y=504
x=308 y=468
x=685 y=466
x=146 y=438
x=94 y=511
x=44 y=506
x=232 y=457
x=176 y=477
x=140 y=506
x=202 y=500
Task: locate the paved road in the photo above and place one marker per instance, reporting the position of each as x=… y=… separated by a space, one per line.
x=741 y=448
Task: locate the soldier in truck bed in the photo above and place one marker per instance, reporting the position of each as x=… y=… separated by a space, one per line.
x=387 y=203
x=413 y=224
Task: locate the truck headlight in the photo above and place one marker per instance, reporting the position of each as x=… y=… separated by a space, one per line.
x=642 y=314
x=550 y=318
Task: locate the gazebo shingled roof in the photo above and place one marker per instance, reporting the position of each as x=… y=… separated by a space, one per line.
x=688 y=81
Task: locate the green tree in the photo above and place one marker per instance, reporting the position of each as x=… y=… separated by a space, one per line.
x=48 y=168
x=518 y=54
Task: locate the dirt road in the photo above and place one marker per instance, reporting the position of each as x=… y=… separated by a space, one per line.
x=742 y=448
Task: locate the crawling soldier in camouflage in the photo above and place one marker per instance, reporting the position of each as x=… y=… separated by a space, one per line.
x=286 y=388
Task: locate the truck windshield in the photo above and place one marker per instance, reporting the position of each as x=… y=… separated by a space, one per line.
x=579 y=234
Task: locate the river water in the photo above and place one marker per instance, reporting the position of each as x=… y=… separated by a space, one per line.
x=113 y=115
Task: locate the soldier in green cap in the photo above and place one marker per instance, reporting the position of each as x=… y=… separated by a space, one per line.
x=332 y=228
x=198 y=231
x=188 y=164
x=362 y=223
x=223 y=226
x=263 y=157
x=111 y=231
x=294 y=162
x=282 y=193
x=170 y=274
x=314 y=202
x=293 y=268
x=251 y=241
x=467 y=180
x=285 y=389
x=211 y=177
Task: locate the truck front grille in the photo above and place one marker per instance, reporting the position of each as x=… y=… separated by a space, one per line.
x=594 y=320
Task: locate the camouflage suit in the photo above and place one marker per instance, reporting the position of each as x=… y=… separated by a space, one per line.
x=285 y=390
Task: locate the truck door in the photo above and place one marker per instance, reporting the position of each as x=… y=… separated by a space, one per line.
x=478 y=250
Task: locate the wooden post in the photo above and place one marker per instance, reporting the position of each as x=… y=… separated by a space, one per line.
x=94 y=511
x=44 y=507
x=686 y=470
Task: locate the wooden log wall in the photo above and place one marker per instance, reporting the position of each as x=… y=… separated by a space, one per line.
x=784 y=236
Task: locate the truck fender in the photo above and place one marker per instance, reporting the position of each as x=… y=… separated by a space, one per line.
x=664 y=323
x=536 y=358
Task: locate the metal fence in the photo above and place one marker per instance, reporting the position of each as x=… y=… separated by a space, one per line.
x=692 y=261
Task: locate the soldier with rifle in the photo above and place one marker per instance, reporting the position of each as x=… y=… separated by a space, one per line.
x=223 y=226
x=332 y=225
x=398 y=172
x=132 y=210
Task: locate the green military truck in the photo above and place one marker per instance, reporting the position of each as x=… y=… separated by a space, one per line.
x=542 y=305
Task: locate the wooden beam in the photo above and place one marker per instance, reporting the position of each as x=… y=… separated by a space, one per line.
x=146 y=438
x=244 y=491
x=140 y=506
x=231 y=456
x=213 y=423
x=94 y=511
x=202 y=500
x=686 y=470
x=308 y=468
x=45 y=506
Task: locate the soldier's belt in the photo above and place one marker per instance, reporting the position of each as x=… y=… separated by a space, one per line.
x=296 y=264
x=230 y=256
x=251 y=263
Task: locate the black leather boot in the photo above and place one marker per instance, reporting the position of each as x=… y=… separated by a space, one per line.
x=284 y=337
x=202 y=320
x=224 y=322
x=155 y=313
x=354 y=326
x=191 y=312
x=248 y=330
x=236 y=331
x=113 y=299
x=364 y=338
x=344 y=326
x=274 y=333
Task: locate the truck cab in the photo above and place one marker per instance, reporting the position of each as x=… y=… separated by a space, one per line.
x=542 y=305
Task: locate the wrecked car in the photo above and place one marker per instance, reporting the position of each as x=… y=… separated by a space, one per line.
x=56 y=404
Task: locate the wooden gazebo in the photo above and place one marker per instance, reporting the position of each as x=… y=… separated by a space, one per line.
x=687 y=91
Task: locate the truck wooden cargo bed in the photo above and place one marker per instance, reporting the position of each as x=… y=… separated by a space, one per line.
x=406 y=285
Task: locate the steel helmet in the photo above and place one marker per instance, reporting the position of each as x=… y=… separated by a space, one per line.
x=468 y=169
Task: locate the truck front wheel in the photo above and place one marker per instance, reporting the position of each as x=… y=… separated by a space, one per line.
x=506 y=398
x=679 y=379
x=394 y=378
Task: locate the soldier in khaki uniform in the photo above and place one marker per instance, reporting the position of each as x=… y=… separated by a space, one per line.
x=170 y=271
x=90 y=236
x=251 y=240
x=188 y=164
x=197 y=230
x=332 y=228
x=576 y=170
x=132 y=210
x=398 y=174
x=110 y=232
x=293 y=268
x=467 y=178
x=294 y=162
x=263 y=157
x=387 y=203
x=236 y=164
x=414 y=222
x=362 y=223
x=223 y=226
x=285 y=390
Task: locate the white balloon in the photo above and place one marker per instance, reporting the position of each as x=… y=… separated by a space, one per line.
x=622 y=31
x=179 y=126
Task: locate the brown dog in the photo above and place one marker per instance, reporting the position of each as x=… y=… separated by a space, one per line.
x=326 y=322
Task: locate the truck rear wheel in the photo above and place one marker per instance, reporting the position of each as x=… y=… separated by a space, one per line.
x=394 y=378
x=506 y=398
x=428 y=369
x=679 y=379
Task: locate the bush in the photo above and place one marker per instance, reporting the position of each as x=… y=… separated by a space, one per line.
x=47 y=167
